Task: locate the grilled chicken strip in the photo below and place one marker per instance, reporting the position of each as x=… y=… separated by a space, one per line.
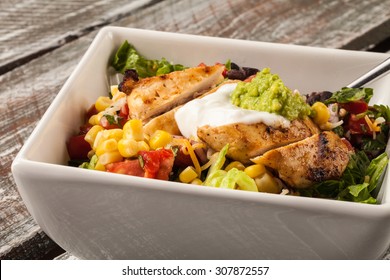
x=153 y=96
x=250 y=140
x=321 y=157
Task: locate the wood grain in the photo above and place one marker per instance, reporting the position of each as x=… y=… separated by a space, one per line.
x=31 y=28
x=333 y=24
x=37 y=60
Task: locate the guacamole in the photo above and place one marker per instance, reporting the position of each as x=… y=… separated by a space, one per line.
x=267 y=92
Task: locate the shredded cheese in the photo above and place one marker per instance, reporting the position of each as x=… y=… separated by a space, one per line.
x=189 y=150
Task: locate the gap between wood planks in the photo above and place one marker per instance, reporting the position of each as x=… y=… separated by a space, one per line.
x=69 y=38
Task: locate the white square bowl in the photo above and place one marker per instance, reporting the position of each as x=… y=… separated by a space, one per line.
x=99 y=215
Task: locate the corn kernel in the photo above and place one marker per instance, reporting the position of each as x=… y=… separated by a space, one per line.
x=92 y=133
x=99 y=166
x=109 y=145
x=143 y=146
x=188 y=174
x=109 y=157
x=255 y=170
x=115 y=133
x=128 y=147
x=197 y=181
x=267 y=183
x=103 y=135
x=322 y=114
x=159 y=139
x=134 y=129
x=94 y=120
x=102 y=103
x=235 y=164
x=114 y=90
x=118 y=96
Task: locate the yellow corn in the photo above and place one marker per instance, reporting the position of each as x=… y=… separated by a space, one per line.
x=268 y=184
x=235 y=164
x=118 y=96
x=99 y=166
x=188 y=174
x=321 y=113
x=109 y=145
x=103 y=135
x=159 y=139
x=197 y=181
x=114 y=90
x=92 y=133
x=143 y=146
x=255 y=170
x=115 y=133
x=128 y=147
x=133 y=129
x=102 y=103
x=107 y=158
x=94 y=120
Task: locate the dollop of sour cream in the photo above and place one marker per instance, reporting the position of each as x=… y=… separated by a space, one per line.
x=216 y=109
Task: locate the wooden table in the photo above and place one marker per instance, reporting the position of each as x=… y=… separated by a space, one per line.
x=41 y=42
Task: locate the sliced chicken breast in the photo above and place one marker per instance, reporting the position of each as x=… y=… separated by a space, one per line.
x=153 y=96
x=323 y=156
x=250 y=140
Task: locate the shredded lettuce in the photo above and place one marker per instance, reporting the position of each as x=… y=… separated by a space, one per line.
x=216 y=177
x=127 y=57
x=358 y=183
x=91 y=164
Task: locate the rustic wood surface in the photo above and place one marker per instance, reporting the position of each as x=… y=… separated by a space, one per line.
x=41 y=42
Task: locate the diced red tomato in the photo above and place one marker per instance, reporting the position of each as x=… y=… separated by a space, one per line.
x=106 y=124
x=156 y=164
x=355 y=107
x=124 y=114
x=358 y=125
x=128 y=167
x=77 y=147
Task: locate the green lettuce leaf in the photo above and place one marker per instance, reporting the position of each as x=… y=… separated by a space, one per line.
x=216 y=177
x=358 y=183
x=127 y=57
x=346 y=95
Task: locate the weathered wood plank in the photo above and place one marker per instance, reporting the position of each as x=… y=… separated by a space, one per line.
x=31 y=28
x=25 y=95
x=332 y=24
x=27 y=91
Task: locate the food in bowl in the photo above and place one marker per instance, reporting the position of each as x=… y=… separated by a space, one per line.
x=101 y=215
x=234 y=127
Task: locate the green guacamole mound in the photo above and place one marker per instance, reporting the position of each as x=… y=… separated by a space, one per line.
x=267 y=92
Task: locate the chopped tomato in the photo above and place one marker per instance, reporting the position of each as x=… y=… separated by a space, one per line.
x=128 y=167
x=355 y=107
x=77 y=147
x=156 y=164
x=358 y=125
x=124 y=114
x=105 y=123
